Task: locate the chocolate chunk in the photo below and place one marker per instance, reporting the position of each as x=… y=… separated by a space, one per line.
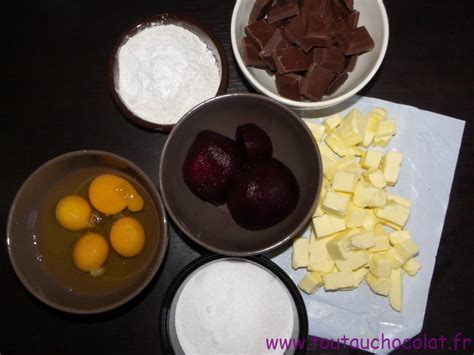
x=259 y=10
x=316 y=82
x=337 y=83
x=277 y=41
x=317 y=8
x=355 y=41
x=349 y=4
x=351 y=62
x=251 y=54
x=295 y=32
x=259 y=32
x=288 y=86
x=353 y=19
x=283 y=9
x=317 y=31
x=290 y=60
x=330 y=58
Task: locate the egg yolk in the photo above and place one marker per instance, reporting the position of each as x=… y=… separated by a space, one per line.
x=110 y=194
x=90 y=252
x=73 y=212
x=127 y=237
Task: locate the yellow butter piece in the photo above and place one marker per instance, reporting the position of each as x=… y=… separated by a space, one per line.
x=380 y=265
x=391 y=167
x=359 y=151
x=311 y=282
x=365 y=240
x=340 y=246
x=380 y=111
x=373 y=120
x=381 y=244
x=326 y=225
x=368 y=138
x=386 y=128
x=398 y=199
x=341 y=280
x=370 y=220
x=411 y=267
x=371 y=159
x=366 y=195
x=395 y=259
x=395 y=295
x=319 y=259
x=375 y=177
x=317 y=130
x=407 y=249
x=359 y=275
x=355 y=261
x=327 y=152
x=332 y=122
x=379 y=285
x=336 y=144
x=300 y=253
x=379 y=230
x=344 y=181
x=381 y=142
x=355 y=216
x=352 y=128
x=394 y=213
x=335 y=204
x=398 y=237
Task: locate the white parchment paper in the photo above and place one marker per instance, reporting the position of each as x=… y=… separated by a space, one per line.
x=430 y=143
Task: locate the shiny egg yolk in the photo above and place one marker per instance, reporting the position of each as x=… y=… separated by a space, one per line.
x=73 y=212
x=110 y=194
x=127 y=237
x=90 y=252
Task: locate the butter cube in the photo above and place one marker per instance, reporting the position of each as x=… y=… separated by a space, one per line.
x=394 y=213
x=379 y=230
x=370 y=220
x=335 y=203
x=395 y=259
x=311 y=282
x=317 y=130
x=386 y=128
x=352 y=128
x=329 y=167
x=380 y=265
x=359 y=275
x=340 y=246
x=398 y=237
x=349 y=164
x=391 y=167
x=319 y=259
x=357 y=260
x=364 y=240
x=381 y=244
x=327 y=152
x=398 y=199
x=336 y=144
x=332 y=122
x=371 y=159
x=366 y=195
x=375 y=177
x=373 y=120
x=326 y=225
x=407 y=250
x=368 y=138
x=344 y=181
x=341 y=280
x=380 y=111
x=379 y=285
x=300 y=253
x=411 y=267
x=381 y=142
x=355 y=216
x=395 y=295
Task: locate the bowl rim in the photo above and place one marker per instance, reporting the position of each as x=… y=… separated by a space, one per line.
x=310 y=105
x=203 y=260
x=161 y=252
x=133 y=30
x=288 y=236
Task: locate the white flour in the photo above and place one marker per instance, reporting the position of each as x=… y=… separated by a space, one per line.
x=231 y=307
x=164 y=71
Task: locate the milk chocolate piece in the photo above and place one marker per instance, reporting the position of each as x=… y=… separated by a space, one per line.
x=351 y=62
x=316 y=82
x=277 y=41
x=259 y=32
x=337 y=83
x=290 y=60
x=295 y=32
x=330 y=58
x=288 y=86
x=259 y=10
x=355 y=41
x=251 y=54
x=317 y=8
x=338 y=23
x=283 y=9
x=317 y=31
x=353 y=19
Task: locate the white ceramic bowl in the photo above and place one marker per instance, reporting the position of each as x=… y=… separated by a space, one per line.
x=372 y=15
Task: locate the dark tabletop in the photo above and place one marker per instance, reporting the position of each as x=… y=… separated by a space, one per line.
x=56 y=100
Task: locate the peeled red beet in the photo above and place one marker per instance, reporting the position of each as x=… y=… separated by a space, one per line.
x=210 y=165
x=255 y=140
x=262 y=194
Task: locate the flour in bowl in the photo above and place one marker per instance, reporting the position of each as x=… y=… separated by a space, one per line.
x=164 y=71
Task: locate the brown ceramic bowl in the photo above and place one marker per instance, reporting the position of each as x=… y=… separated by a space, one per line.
x=213 y=227
x=207 y=36
x=24 y=250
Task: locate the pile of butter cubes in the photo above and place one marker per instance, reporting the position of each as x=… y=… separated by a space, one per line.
x=358 y=226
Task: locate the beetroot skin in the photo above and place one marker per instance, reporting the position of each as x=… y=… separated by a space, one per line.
x=255 y=141
x=210 y=166
x=262 y=194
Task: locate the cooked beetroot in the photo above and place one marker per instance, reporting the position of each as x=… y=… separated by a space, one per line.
x=210 y=165
x=255 y=140
x=262 y=194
